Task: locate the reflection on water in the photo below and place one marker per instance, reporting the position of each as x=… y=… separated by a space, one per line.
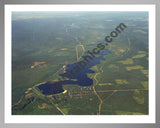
x=81 y=77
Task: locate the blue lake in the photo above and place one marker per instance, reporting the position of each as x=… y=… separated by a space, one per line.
x=80 y=78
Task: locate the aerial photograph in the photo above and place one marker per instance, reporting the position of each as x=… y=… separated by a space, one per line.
x=80 y=63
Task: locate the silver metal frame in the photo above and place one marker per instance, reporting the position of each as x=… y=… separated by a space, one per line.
x=4 y=2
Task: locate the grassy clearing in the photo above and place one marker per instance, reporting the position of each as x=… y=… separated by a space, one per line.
x=138 y=97
x=120 y=81
x=142 y=52
x=103 y=84
x=113 y=66
x=145 y=84
x=127 y=61
x=63 y=49
x=134 y=67
x=44 y=106
x=145 y=72
x=94 y=68
x=116 y=50
x=139 y=56
x=65 y=110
